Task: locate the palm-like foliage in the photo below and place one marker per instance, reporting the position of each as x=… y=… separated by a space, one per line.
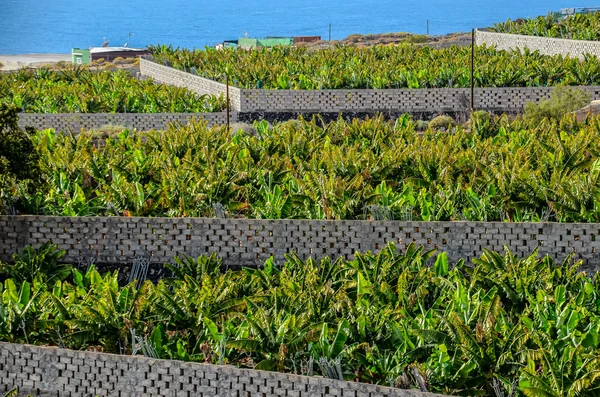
x=576 y=27
x=379 y=67
x=385 y=318
x=308 y=169
x=80 y=90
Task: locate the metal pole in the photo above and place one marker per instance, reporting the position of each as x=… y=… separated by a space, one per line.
x=329 y=32
x=472 y=70
x=428 y=27
x=227 y=98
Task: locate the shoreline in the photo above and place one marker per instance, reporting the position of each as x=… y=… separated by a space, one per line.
x=18 y=61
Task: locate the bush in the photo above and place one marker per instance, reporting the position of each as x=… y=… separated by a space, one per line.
x=563 y=100
x=19 y=160
x=243 y=128
x=41 y=264
x=483 y=124
x=421 y=125
x=441 y=122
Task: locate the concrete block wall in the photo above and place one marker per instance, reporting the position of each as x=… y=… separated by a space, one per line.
x=505 y=99
x=49 y=371
x=171 y=76
x=545 y=45
x=248 y=242
x=439 y=100
x=140 y=121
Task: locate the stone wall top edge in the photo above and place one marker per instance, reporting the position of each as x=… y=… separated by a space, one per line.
x=281 y=221
x=24 y=114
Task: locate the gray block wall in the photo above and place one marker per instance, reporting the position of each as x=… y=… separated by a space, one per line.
x=178 y=78
x=49 y=371
x=248 y=242
x=545 y=45
x=497 y=99
x=439 y=100
x=75 y=122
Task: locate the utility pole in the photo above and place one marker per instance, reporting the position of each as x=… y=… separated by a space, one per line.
x=472 y=70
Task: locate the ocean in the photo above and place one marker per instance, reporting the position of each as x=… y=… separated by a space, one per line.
x=34 y=26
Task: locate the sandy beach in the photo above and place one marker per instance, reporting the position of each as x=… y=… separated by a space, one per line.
x=13 y=62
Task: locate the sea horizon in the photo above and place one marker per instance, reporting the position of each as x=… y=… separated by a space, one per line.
x=61 y=25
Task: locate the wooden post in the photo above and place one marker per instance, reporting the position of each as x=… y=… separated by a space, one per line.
x=227 y=98
x=472 y=70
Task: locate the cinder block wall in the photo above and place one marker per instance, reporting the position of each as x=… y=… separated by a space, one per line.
x=497 y=99
x=75 y=122
x=249 y=242
x=171 y=76
x=49 y=371
x=545 y=45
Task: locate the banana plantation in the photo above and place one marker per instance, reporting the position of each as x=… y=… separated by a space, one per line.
x=501 y=326
x=575 y=27
x=80 y=90
x=380 y=67
x=490 y=169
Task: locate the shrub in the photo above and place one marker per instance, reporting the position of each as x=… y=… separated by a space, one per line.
x=422 y=125
x=563 y=100
x=483 y=124
x=19 y=161
x=442 y=121
x=243 y=128
x=41 y=263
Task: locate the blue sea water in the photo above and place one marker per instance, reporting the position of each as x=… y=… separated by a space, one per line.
x=55 y=26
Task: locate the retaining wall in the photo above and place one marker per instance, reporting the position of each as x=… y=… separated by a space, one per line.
x=545 y=45
x=140 y=121
x=246 y=242
x=200 y=85
x=438 y=100
x=49 y=371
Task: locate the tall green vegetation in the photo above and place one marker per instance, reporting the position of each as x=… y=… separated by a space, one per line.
x=80 y=90
x=490 y=169
x=525 y=325
x=19 y=167
x=576 y=27
x=562 y=101
x=380 y=67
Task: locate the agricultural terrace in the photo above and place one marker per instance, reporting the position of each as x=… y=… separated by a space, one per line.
x=81 y=90
x=528 y=327
x=576 y=27
x=506 y=170
x=380 y=67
